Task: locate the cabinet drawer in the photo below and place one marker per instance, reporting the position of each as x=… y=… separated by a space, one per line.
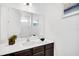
x=48 y=46
x=38 y=49
x=39 y=54
x=27 y=52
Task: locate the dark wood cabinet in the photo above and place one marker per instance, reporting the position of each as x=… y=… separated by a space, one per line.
x=49 y=52
x=38 y=49
x=27 y=52
x=48 y=46
x=39 y=54
x=44 y=50
x=11 y=54
x=49 y=49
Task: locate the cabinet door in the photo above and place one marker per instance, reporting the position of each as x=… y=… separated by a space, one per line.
x=49 y=49
x=38 y=49
x=51 y=45
x=49 y=52
x=39 y=54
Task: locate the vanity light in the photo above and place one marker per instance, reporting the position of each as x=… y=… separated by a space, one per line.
x=23 y=19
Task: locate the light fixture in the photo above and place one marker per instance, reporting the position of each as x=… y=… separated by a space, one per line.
x=23 y=19
x=28 y=4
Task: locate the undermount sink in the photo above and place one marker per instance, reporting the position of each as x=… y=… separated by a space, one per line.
x=32 y=38
x=30 y=41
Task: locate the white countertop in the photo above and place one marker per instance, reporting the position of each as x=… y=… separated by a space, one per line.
x=21 y=45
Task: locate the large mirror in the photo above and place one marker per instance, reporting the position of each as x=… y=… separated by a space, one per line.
x=22 y=24
x=35 y=24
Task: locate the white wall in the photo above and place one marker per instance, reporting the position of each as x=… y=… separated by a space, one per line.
x=53 y=16
x=0 y=22
x=70 y=36
x=64 y=31
x=3 y=24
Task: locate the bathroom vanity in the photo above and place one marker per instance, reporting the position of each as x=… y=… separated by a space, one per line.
x=31 y=48
x=43 y=50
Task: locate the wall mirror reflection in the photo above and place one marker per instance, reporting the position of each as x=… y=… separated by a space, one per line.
x=22 y=23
